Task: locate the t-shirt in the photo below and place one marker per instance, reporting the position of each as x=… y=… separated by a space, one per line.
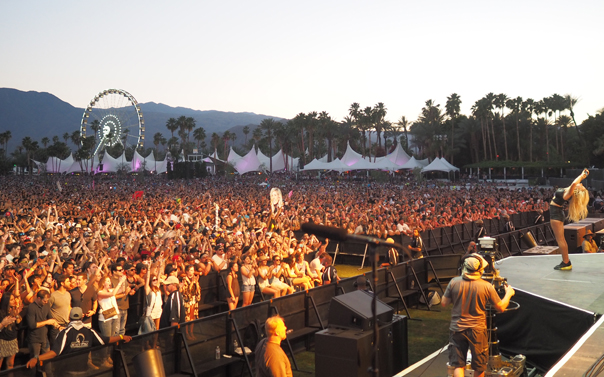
x=218 y=260
x=470 y=298
x=271 y=361
x=84 y=300
x=124 y=302
x=76 y=337
x=60 y=306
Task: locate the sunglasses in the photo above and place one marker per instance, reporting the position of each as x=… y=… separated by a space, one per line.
x=154 y=279
x=120 y=270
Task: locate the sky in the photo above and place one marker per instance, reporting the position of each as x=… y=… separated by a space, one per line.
x=281 y=58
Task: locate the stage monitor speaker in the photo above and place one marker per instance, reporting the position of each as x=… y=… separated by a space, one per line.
x=149 y=364
x=574 y=236
x=528 y=239
x=353 y=311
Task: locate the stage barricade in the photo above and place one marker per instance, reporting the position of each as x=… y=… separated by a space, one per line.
x=446 y=266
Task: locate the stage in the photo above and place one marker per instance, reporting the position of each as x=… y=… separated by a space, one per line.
x=557 y=315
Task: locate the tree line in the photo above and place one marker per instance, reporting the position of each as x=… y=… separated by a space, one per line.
x=498 y=128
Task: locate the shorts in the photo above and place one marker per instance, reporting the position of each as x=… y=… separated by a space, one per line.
x=473 y=339
x=8 y=348
x=248 y=288
x=279 y=284
x=556 y=213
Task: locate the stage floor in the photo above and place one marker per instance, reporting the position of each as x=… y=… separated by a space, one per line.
x=581 y=287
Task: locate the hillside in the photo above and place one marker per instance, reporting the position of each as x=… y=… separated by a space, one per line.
x=39 y=115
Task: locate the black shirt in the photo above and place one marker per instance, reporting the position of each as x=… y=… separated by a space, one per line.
x=75 y=337
x=173 y=310
x=35 y=314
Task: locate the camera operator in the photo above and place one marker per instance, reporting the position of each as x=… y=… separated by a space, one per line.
x=470 y=296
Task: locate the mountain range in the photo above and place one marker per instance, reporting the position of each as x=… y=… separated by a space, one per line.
x=40 y=114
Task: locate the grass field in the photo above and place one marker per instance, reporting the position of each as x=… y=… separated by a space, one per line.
x=427 y=332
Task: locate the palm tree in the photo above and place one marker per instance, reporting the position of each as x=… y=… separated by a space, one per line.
x=6 y=136
x=515 y=105
x=55 y=139
x=246 y=131
x=379 y=115
x=479 y=111
x=499 y=102
x=570 y=105
x=66 y=137
x=563 y=122
x=311 y=127
x=76 y=138
x=29 y=146
x=172 y=125
x=541 y=108
x=157 y=140
x=45 y=141
x=215 y=140
x=528 y=108
x=199 y=134
x=452 y=109
x=268 y=125
x=226 y=136
x=403 y=122
x=328 y=128
x=489 y=99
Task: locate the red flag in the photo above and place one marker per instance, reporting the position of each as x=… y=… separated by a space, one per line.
x=137 y=194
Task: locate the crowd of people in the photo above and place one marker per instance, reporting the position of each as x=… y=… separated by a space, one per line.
x=104 y=243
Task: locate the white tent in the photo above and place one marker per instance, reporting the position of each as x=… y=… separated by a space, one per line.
x=437 y=165
x=233 y=157
x=447 y=163
x=399 y=157
x=138 y=162
x=248 y=163
x=350 y=156
x=424 y=162
x=110 y=164
x=161 y=166
x=412 y=164
x=150 y=163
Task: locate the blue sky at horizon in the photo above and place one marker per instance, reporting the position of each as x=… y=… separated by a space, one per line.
x=280 y=58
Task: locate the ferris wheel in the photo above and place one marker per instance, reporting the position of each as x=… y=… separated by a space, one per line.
x=113 y=117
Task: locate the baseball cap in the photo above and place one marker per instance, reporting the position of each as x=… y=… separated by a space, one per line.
x=171 y=280
x=76 y=314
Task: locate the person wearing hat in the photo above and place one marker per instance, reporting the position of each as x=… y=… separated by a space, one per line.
x=361 y=284
x=73 y=338
x=173 y=311
x=589 y=245
x=470 y=296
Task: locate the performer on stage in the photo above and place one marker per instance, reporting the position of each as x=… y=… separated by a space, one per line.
x=577 y=198
x=470 y=295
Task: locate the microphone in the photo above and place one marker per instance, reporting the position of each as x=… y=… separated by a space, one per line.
x=342 y=235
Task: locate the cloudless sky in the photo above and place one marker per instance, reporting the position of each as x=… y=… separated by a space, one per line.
x=284 y=57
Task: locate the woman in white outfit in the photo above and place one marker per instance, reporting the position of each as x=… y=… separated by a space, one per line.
x=109 y=322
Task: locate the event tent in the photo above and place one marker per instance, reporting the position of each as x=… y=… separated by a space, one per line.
x=438 y=165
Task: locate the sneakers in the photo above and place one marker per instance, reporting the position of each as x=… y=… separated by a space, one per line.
x=564 y=266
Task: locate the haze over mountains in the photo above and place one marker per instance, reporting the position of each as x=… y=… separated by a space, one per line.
x=39 y=114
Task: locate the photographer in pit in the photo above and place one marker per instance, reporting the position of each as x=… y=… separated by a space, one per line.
x=470 y=296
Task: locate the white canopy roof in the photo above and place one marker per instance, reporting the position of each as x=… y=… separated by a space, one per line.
x=398 y=156
x=233 y=157
x=437 y=165
x=248 y=163
x=447 y=163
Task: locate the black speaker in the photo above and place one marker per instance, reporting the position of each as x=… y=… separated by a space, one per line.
x=353 y=311
x=348 y=352
x=573 y=233
x=400 y=351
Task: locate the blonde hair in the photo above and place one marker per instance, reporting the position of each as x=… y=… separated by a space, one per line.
x=577 y=205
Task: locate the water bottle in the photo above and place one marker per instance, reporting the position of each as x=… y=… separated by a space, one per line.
x=217 y=352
